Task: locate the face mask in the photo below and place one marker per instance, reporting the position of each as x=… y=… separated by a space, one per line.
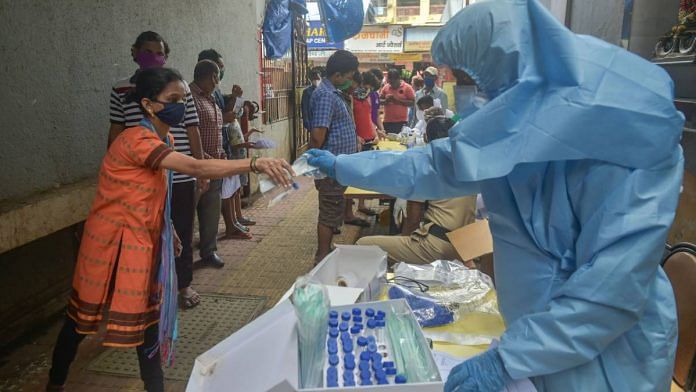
x=148 y=60
x=346 y=85
x=361 y=93
x=172 y=114
x=222 y=73
x=316 y=83
x=429 y=83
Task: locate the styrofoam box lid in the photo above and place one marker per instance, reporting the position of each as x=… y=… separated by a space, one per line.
x=362 y=264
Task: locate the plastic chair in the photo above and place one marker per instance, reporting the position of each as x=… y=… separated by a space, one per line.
x=680 y=266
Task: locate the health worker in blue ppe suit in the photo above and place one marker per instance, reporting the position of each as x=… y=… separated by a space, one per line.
x=577 y=157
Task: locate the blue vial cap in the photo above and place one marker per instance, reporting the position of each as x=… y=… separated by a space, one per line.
x=371 y=339
x=364 y=366
x=345 y=316
x=356 y=311
x=349 y=383
x=354 y=330
x=359 y=325
x=343 y=326
x=388 y=364
x=348 y=348
x=371 y=323
x=369 y=312
x=349 y=365
x=377 y=359
x=365 y=381
x=333 y=360
x=332 y=349
x=390 y=371
x=349 y=357
x=333 y=323
x=332 y=383
x=382 y=381
x=365 y=356
x=381 y=323
x=400 y=379
x=379 y=373
x=362 y=341
x=365 y=374
x=332 y=371
x=345 y=335
x=357 y=319
x=381 y=314
x=372 y=348
x=348 y=376
x=333 y=314
x=333 y=332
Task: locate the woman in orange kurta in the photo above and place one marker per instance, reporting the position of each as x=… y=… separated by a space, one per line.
x=123 y=246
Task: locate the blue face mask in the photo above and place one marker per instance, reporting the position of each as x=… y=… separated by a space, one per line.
x=429 y=83
x=172 y=114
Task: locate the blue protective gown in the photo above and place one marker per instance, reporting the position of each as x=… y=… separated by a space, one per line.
x=577 y=156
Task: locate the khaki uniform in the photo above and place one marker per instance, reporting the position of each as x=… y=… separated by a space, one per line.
x=421 y=247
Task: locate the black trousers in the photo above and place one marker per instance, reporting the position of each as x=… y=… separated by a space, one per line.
x=66 y=349
x=183 y=212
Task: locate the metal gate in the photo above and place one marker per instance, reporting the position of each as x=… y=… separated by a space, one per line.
x=300 y=138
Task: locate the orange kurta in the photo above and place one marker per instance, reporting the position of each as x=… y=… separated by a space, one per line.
x=118 y=259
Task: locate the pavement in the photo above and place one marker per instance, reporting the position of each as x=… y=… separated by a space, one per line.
x=282 y=249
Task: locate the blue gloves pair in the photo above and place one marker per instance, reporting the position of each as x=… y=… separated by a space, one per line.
x=482 y=373
x=324 y=160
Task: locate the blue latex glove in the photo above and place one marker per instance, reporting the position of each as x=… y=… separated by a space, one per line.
x=324 y=160
x=482 y=373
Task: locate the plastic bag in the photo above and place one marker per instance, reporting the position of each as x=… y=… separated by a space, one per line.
x=439 y=292
x=274 y=194
x=410 y=354
x=311 y=303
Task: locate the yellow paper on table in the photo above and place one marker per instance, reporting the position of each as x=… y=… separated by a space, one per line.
x=388 y=145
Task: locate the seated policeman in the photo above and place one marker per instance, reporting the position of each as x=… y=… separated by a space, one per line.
x=427 y=223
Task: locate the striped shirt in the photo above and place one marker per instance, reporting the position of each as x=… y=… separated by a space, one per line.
x=129 y=114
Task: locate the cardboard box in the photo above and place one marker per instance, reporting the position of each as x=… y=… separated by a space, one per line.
x=263 y=356
x=351 y=274
x=473 y=240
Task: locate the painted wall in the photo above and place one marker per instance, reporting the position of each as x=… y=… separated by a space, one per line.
x=651 y=20
x=56 y=78
x=600 y=18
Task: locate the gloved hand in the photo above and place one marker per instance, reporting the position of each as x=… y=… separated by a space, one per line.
x=482 y=373
x=324 y=160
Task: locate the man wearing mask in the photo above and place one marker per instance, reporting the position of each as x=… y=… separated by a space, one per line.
x=430 y=89
x=206 y=77
x=397 y=97
x=333 y=130
x=151 y=51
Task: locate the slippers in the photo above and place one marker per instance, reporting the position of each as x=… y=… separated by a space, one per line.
x=237 y=236
x=191 y=301
x=358 y=222
x=367 y=211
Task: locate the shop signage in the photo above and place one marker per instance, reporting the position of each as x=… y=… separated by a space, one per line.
x=377 y=39
x=406 y=56
x=317 y=39
x=419 y=39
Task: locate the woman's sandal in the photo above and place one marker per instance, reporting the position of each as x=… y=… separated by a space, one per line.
x=191 y=301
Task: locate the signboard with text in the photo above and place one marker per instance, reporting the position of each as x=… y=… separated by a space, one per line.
x=419 y=39
x=317 y=39
x=377 y=39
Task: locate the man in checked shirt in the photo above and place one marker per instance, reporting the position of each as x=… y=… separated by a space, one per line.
x=333 y=129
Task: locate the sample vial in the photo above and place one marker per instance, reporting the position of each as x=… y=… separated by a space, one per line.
x=333 y=323
x=333 y=314
x=400 y=379
x=356 y=312
x=345 y=316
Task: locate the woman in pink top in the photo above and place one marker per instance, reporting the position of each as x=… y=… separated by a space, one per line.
x=397 y=97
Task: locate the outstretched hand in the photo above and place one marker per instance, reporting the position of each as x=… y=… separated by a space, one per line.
x=324 y=160
x=278 y=169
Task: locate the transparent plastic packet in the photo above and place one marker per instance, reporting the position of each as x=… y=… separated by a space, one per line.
x=273 y=194
x=410 y=356
x=441 y=291
x=311 y=302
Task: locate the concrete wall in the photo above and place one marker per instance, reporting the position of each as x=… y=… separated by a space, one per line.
x=59 y=60
x=600 y=18
x=651 y=20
